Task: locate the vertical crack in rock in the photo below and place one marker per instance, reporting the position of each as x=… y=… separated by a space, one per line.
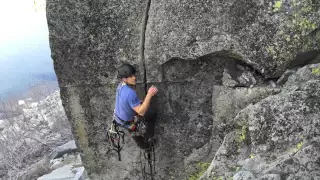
x=142 y=42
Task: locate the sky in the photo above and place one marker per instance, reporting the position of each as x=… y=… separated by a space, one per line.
x=24 y=45
x=21 y=24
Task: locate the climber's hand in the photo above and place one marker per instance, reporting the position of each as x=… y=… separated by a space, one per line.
x=152 y=90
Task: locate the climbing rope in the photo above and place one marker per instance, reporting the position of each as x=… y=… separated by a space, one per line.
x=148 y=169
x=147 y=156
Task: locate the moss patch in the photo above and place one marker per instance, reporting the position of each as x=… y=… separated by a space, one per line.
x=242 y=134
x=298 y=147
x=277 y=6
x=235 y=168
x=218 y=178
x=299 y=19
x=83 y=140
x=316 y=71
x=201 y=168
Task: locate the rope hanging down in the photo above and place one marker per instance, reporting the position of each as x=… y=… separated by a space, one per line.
x=147 y=156
x=148 y=168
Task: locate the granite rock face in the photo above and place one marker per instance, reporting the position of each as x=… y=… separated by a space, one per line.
x=88 y=40
x=191 y=51
x=278 y=135
x=268 y=34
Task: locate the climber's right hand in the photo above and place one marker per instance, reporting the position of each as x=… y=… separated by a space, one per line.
x=153 y=90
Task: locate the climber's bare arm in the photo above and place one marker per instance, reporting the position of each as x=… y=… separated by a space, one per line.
x=143 y=108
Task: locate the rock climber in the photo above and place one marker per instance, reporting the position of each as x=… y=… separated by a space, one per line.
x=130 y=110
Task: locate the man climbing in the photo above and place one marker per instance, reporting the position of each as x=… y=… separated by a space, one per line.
x=130 y=110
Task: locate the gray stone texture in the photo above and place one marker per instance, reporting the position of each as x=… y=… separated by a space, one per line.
x=63 y=149
x=186 y=49
x=259 y=32
x=88 y=40
x=278 y=135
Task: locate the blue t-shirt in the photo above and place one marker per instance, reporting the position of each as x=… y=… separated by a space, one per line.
x=126 y=100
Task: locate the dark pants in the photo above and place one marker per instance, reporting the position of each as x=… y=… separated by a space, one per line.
x=149 y=118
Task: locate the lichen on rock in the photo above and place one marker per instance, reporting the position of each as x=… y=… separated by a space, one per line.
x=298 y=20
x=213 y=63
x=282 y=129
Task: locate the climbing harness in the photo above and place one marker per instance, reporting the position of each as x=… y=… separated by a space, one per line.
x=147 y=156
x=116 y=137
